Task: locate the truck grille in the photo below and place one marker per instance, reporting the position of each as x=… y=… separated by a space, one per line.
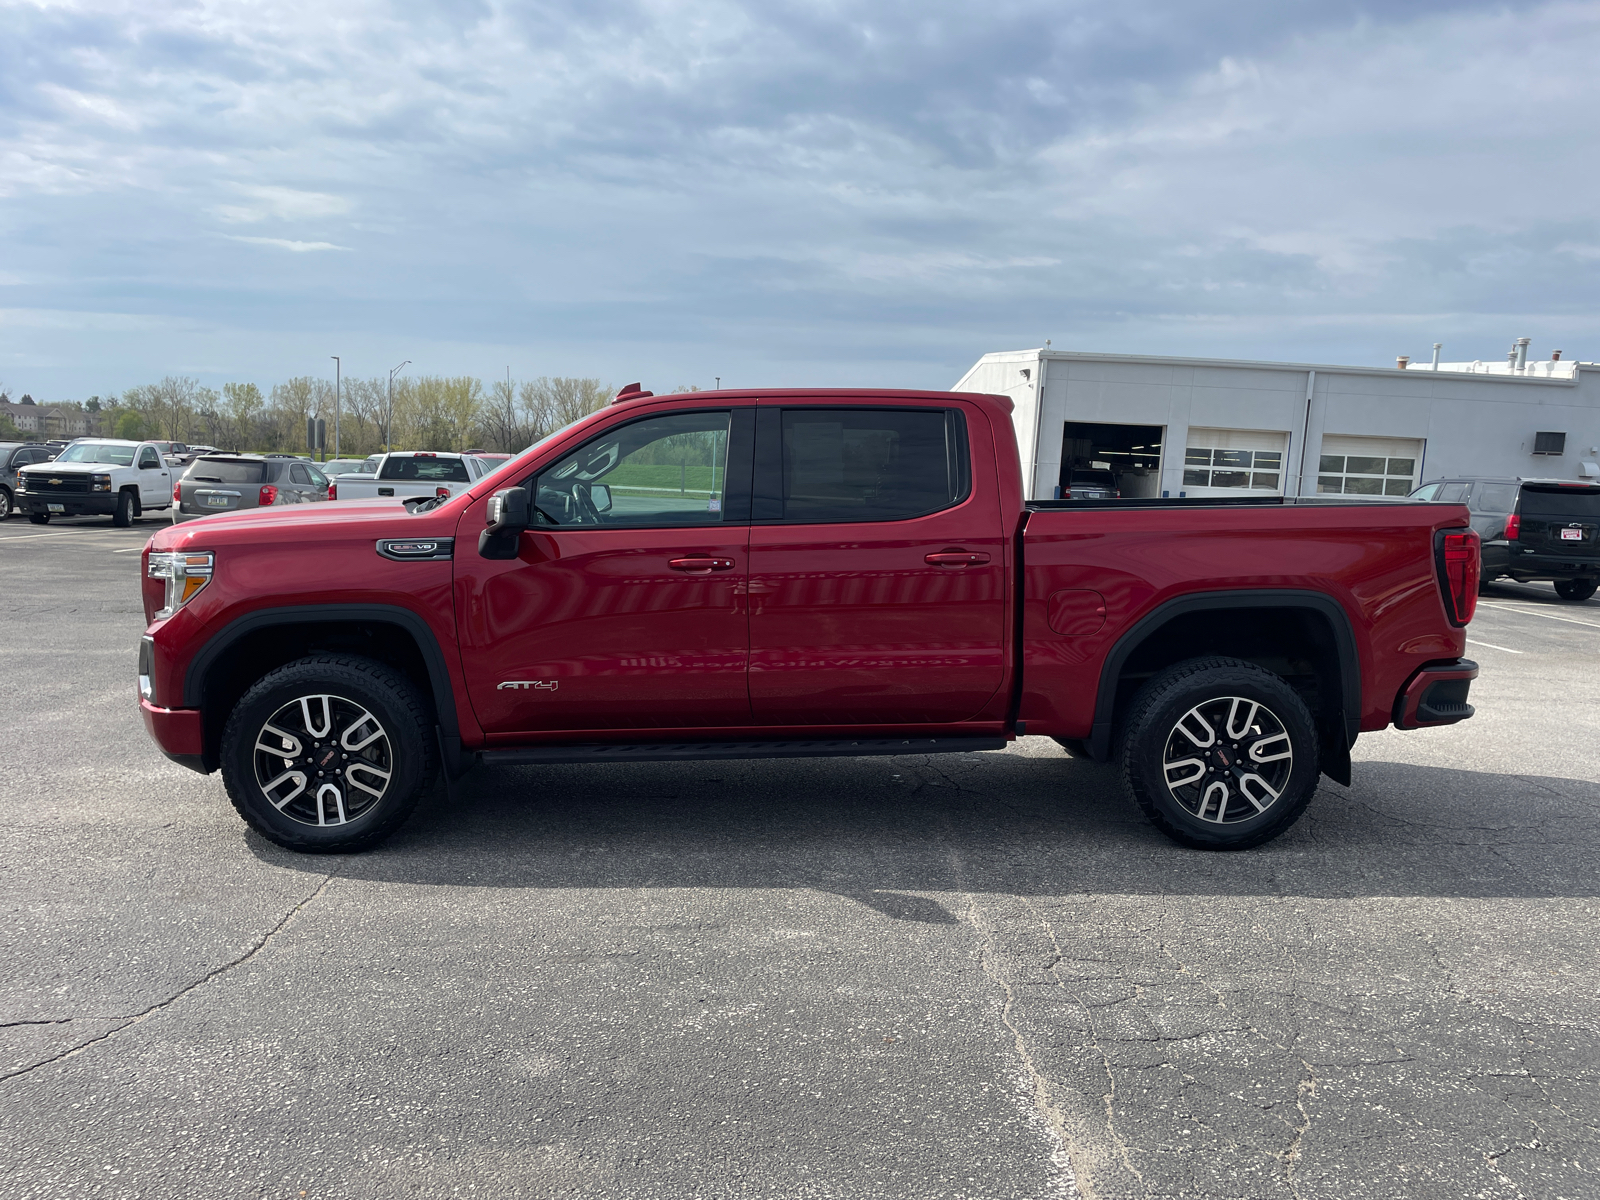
x=57 y=484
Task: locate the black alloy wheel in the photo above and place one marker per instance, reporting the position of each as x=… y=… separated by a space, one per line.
x=1220 y=754
x=1576 y=589
x=330 y=753
x=5 y=503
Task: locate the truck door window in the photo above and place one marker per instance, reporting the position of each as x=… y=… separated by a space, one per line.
x=149 y=460
x=869 y=464
x=669 y=470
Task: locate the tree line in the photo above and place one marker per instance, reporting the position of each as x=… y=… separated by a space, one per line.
x=426 y=412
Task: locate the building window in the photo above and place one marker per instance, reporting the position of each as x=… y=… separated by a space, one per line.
x=1234 y=460
x=1549 y=443
x=1358 y=466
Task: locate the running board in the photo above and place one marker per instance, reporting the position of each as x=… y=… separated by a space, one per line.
x=687 y=751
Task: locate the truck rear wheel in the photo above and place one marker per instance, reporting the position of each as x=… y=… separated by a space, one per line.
x=1576 y=589
x=329 y=753
x=1220 y=753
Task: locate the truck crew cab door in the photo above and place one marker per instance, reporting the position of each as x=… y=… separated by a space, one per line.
x=877 y=567
x=625 y=607
x=155 y=479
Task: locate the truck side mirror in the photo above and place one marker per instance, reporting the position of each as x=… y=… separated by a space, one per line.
x=507 y=518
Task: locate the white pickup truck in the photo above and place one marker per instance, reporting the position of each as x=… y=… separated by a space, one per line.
x=413 y=475
x=97 y=475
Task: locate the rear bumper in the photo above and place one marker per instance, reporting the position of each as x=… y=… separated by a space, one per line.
x=179 y=733
x=1436 y=695
x=1542 y=564
x=70 y=504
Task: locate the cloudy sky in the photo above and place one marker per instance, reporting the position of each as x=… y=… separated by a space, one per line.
x=784 y=192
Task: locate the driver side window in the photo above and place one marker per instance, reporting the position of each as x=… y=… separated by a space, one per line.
x=148 y=459
x=669 y=470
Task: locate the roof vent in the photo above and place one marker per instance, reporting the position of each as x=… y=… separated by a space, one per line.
x=1402 y=362
x=631 y=391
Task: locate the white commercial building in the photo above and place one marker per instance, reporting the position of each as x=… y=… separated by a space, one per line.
x=1218 y=427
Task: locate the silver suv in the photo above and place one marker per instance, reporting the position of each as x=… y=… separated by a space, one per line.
x=222 y=483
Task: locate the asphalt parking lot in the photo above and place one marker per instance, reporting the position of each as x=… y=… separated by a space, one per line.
x=975 y=976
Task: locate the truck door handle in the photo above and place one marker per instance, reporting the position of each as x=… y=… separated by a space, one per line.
x=955 y=558
x=700 y=566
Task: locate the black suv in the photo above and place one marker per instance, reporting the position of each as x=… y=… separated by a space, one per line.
x=1531 y=528
x=12 y=456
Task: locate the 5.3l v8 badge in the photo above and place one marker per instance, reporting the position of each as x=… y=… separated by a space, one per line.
x=544 y=685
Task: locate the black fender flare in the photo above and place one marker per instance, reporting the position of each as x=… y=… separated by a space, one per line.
x=1319 y=602
x=444 y=700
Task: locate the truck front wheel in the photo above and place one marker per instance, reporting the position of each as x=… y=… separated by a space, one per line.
x=123 y=516
x=1220 y=754
x=329 y=753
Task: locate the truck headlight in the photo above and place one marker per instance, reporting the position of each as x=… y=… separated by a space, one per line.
x=22 y=483
x=185 y=573
x=99 y=483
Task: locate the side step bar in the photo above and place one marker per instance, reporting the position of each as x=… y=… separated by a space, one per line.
x=685 y=751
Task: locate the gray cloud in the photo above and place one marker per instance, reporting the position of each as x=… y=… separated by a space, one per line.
x=785 y=193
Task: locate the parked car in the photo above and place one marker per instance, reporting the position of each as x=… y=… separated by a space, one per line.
x=335 y=467
x=13 y=456
x=223 y=483
x=1532 y=529
x=796 y=574
x=97 y=475
x=1089 y=484
x=414 y=474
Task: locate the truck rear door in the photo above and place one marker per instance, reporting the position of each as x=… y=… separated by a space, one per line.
x=877 y=567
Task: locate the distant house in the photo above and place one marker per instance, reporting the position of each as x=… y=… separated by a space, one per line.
x=51 y=421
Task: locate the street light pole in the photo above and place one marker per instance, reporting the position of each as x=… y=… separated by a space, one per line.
x=388 y=425
x=337 y=367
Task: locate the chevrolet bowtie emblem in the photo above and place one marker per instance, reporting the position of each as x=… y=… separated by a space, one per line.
x=55 y=483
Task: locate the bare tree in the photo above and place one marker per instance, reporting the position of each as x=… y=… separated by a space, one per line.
x=550 y=403
x=243 y=405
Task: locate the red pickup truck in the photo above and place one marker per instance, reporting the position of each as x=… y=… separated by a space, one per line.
x=796 y=573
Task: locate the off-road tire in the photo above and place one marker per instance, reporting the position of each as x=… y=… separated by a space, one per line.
x=1151 y=726
x=400 y=709
x=123 y=516
x=39 y=518
x=1576 y=589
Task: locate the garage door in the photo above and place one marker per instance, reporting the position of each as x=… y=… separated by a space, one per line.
x=1223 y=462
x=1368 y=466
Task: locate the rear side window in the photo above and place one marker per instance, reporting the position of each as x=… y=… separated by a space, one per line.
x=1495 y=497
x=1454 y=493
x=425 y=470
x=1571 y=504
x=298 y=474
x=871 y=464
x=226 y=470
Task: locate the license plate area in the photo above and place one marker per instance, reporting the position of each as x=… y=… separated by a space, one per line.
x=216 y=502
x=60 y=508
x=1572 y=535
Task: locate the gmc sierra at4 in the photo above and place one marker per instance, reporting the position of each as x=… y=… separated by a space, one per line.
x=796 y=573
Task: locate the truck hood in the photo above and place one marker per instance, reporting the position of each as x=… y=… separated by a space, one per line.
x=302 y=522
x=75 y=468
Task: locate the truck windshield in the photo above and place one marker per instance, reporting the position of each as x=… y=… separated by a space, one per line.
x=1570 y=503
x=98 y=452
x=226 y=470
x=425 y=470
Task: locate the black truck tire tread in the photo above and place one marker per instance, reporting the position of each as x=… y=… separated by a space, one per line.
x=410 y=709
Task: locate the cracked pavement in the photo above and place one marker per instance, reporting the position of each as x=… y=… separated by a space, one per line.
x=969 y=976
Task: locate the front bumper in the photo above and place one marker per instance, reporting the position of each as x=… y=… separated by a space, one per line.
x=69 y=504
x=1436 y=695
x=179 y=732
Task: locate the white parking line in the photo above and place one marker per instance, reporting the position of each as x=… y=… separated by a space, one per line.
x=1530 y=613
x=28 y=537
x=129 y=550
x=1492 y=646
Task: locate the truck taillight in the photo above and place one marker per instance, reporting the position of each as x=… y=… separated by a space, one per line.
x=1457 y=552
x=442 y=493
x=1514 y=527
x=333 y=491
x=268 y=496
